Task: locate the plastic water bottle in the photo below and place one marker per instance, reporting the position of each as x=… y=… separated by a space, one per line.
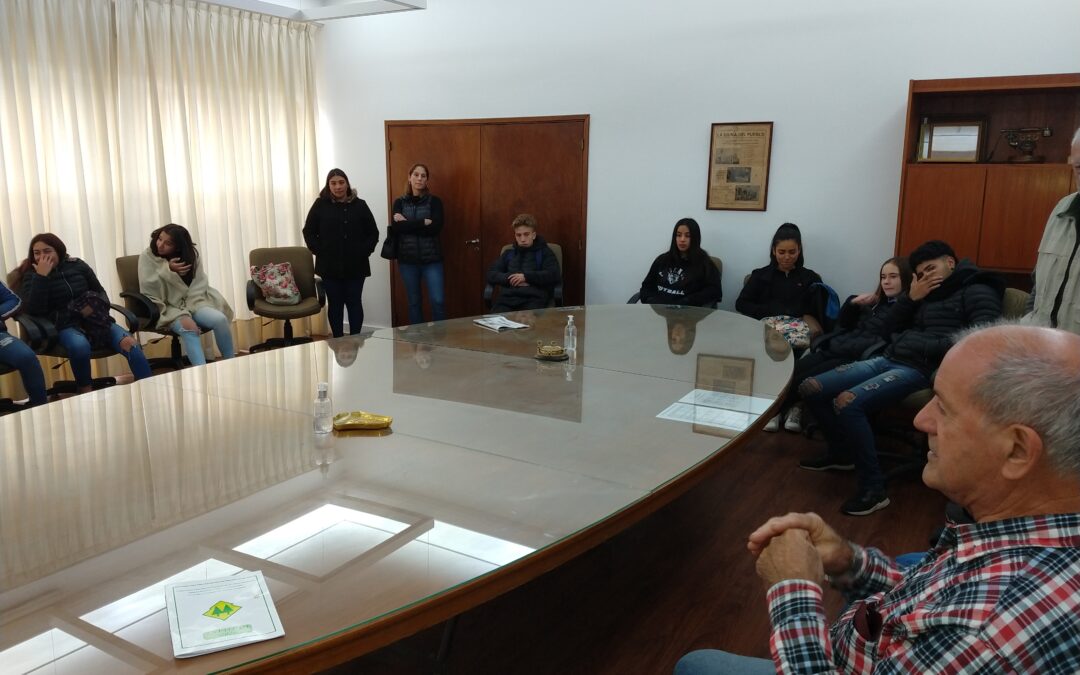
x=569 y=341
x=323 y=409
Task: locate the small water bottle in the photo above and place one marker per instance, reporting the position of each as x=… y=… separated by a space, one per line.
x=569 y=340
x=323 y=410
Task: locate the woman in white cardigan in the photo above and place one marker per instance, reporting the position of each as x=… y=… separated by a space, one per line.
x=171 y=275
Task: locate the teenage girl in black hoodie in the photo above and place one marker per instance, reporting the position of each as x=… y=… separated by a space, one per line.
x=685 y=274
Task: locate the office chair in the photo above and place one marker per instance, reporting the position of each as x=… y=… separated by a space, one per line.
x=557 y=293
x=312 y=296
x=147 y=315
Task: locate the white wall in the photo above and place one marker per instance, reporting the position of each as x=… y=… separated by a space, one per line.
x=832 y=75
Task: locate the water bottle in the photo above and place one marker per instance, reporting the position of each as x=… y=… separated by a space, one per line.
x=569 y=341
x=323 y=409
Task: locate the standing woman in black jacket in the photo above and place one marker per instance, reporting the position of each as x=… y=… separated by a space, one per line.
x=418 y=220
x=342 y=233
x=782 y=288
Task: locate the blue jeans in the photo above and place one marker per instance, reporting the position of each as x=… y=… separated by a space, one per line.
x=432 y=275
x=211 y=319
x=78 y=352
x=875 y=383
x=342 y=294
x=716 y=662
x=17 y=354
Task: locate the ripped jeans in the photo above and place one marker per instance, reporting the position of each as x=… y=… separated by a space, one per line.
x=876 y=384
x=210 y=319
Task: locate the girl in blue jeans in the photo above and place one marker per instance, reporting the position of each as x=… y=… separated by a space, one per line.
x=173 y=277
x=49 y=281
x=16 y=354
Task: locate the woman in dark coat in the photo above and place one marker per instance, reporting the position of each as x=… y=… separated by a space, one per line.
x=418 y=220
x=342 y=233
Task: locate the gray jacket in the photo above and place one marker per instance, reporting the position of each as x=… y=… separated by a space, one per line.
x=1057 y=248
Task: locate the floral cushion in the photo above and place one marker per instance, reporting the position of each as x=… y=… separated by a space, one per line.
x=795 y=330
x=276 y=282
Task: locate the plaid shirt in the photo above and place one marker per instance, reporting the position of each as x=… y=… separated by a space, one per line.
x=997 y=597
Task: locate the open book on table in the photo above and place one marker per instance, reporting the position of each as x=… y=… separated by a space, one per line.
x=498 y=323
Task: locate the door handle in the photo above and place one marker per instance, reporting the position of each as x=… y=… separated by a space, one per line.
x=474 y=242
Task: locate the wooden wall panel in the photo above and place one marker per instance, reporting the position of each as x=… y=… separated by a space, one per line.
x=942 y=202
x=1017 y=204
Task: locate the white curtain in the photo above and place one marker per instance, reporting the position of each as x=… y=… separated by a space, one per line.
x=118 y=116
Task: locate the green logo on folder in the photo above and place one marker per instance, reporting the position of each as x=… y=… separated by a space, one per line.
x=222 y=610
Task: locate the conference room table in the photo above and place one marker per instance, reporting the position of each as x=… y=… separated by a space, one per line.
x=497 y=468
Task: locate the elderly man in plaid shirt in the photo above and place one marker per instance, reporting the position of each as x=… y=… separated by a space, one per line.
x=999 y=595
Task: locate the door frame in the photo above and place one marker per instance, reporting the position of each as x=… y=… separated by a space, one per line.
x=391 y=190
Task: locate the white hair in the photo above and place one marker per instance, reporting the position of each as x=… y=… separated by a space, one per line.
x=1034 y=387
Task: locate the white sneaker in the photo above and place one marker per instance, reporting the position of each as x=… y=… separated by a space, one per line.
x=793 y=422
x=773 y=424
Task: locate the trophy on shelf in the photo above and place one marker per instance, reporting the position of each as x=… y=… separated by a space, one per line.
x=1024 y=140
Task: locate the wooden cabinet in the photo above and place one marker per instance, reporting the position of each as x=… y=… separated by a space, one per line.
x=993 y=211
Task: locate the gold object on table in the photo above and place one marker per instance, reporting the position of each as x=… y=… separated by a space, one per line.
x=550 y=352
x=358 y=419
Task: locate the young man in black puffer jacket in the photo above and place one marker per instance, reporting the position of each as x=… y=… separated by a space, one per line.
x=945 y=297
x=527 y=273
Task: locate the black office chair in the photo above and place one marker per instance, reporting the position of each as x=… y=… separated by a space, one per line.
x=636 y=297
x=557 y=292
x=312 y=296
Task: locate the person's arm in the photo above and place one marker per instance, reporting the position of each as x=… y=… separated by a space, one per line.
x=311 y=229
x=709 y=290
x=420 y=226
x=498 y=273
x=369 y=228
x=9 y=303
x=548 y=275
x=753 y=300
x=1029 y=306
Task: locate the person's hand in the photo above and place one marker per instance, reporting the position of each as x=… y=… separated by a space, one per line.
x=517 y=279
x=834 y=550
x=127 y=344
x=45 y=264
x=866 y=299
x=187 y=323
x=790 y=555
x=179 y=266
x=427 y=221
x=398 y=218
x=920 y=288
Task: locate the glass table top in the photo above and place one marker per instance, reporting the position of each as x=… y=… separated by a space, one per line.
x=493 y=456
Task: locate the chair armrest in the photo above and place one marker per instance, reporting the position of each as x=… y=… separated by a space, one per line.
x=32 y=332
x=145 y=310
x=253 y=293
x=489 y=290
x=48 y=335
x=320 y=292
x=559 y=295
x=129 y=317
x=634 y=298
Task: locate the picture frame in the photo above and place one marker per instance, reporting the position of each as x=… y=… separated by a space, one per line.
x=738 y=176
x=726 y=374
x=951 y=140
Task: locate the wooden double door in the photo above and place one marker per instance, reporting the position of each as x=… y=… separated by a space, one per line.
x=486 y=172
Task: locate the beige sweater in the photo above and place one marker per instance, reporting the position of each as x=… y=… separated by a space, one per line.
x=172 y=296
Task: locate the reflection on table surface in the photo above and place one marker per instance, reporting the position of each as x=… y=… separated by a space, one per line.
x=493 y=455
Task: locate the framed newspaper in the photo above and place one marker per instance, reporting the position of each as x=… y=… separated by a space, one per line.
x=739 y=166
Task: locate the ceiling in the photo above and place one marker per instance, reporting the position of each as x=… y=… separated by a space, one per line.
x=323 y=10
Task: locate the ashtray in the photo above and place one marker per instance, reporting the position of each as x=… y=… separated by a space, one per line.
x=552 y=357
x=358 y=419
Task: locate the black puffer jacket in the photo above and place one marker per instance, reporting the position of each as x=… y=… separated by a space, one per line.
x=417 y=243
x=49 y=296
x=342 y=236
x=770 y=292
x=537 y=263
x=858 y=329
x=921 y=332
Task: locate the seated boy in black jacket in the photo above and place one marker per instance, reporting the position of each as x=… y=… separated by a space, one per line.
x=527 y=273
